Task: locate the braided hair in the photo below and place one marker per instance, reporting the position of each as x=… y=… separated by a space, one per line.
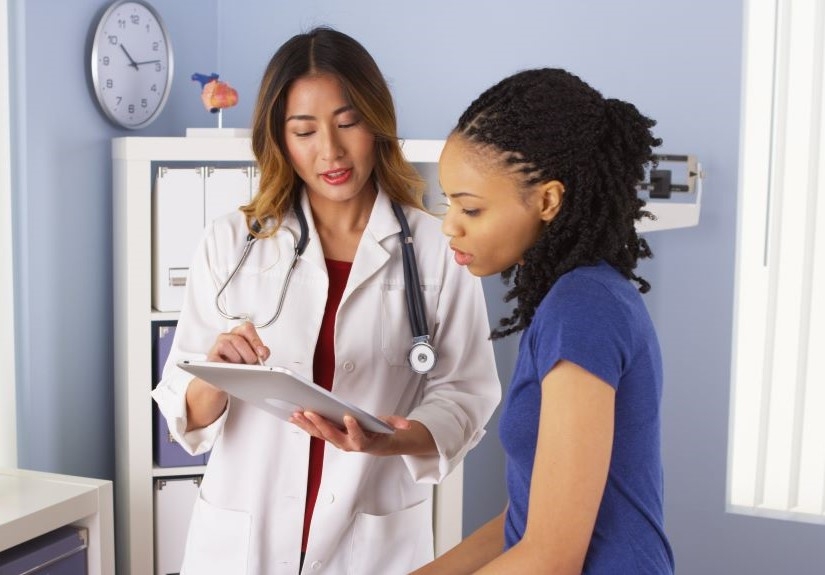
x=547 y=124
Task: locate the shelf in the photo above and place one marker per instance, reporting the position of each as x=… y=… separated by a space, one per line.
x=164 y=315
x=34 y=503
x=185 y=471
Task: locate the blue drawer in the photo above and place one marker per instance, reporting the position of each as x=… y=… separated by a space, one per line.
x=59 y=552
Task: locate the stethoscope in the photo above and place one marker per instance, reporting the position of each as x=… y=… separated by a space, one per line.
x=422 y=356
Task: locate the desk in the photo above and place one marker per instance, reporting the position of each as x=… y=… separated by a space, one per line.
x=33 y=503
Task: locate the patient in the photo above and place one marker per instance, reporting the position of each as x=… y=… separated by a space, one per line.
x=540 y=173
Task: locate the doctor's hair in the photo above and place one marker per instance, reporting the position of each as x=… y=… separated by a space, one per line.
x=320 y=51
x=547 y=124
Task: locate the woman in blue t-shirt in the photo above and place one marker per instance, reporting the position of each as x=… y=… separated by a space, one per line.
x=541 y=174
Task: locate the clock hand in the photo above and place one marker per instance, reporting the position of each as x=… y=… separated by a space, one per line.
x=132 y=62
x=147 y=62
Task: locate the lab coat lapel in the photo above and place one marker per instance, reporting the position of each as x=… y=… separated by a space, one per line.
x=314 y=253
x=372 y=255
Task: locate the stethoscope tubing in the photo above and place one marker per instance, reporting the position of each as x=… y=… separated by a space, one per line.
x=415 y=305
x=281 y=297
x=299 y=245
x=415 y=299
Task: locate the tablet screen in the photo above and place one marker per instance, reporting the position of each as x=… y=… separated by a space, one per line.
x=281 y=392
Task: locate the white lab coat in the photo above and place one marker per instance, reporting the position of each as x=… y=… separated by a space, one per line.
x=373 y=514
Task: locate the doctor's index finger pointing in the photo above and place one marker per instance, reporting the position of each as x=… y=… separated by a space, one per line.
x=250 y=334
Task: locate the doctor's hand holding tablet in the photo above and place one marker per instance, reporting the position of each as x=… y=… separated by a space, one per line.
x=287 y=395
x=379 y=375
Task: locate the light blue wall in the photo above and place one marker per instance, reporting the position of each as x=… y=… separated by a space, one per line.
x=679 y=62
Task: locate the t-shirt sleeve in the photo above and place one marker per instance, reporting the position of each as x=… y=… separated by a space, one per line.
x=581 y=321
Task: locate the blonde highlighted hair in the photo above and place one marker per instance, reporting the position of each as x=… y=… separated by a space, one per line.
x=323 y=50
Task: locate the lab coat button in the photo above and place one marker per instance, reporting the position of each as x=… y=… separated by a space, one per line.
x=330 y=498
x=349 y=366
x=316 y=565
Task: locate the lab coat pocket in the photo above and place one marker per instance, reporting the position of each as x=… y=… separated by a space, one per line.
x=218 y=541
x=396 y=333
x=393 y=544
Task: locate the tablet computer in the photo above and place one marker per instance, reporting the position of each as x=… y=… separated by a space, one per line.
x=281 y=392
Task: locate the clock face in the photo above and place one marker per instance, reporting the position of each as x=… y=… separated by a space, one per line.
x=132 y=63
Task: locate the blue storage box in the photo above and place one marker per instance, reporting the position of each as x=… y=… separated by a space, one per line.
x=165 y=450
x=59 y=552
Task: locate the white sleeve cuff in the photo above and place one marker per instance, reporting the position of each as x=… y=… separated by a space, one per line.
x=434 y=468
x=170 y=396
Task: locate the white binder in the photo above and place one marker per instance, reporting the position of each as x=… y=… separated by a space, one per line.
x=174 y=501
x=184 y=201
x=177 y=225
x=226 y=190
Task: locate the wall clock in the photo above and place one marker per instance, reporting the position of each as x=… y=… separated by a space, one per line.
x=132 y=63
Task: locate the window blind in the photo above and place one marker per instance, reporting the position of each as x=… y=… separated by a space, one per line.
x=776 y=460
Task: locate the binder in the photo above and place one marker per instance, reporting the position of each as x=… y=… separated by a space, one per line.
x=226 y=190
x=166 y=451
x=184 y=201
x=174 y=500
x=177 y=225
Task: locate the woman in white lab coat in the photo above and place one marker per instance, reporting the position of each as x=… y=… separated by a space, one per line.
x=277 y=495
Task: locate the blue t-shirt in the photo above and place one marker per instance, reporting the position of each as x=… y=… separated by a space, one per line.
x=594 y=317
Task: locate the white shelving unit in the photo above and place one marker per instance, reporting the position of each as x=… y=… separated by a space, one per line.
x=133 y=158
x=33 y=503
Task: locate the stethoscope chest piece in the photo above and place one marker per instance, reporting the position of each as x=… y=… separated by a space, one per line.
x=422 y=357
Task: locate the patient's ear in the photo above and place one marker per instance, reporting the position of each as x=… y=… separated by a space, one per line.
x=551 y=197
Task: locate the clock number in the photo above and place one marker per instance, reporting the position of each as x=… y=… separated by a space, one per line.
x=113 y=40
x=155 y=46
x=135 y=19
x=158 y=67
x=131 y=108
x=105 y=60
x=119 y=100
x=154 y=88
x=109 y=83
x=144 y=103
x=121 y=23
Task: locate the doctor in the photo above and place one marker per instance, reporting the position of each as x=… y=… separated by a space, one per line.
x=283 y=498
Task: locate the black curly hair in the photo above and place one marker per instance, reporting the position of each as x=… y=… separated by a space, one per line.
x=548 y=124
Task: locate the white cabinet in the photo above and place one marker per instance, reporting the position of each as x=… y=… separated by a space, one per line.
x=33 y=503
x=135 y=164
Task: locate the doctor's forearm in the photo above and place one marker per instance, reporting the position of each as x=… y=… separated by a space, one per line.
x=204 y=404
x=417 y=440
